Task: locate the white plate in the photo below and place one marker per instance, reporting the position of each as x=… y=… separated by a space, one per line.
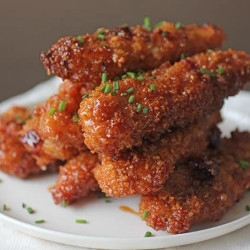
x=108 y=226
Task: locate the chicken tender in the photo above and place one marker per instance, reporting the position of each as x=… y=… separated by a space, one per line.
x=146 y=106
x=145 y=169
x=115 y=51
x=76 y=178
x=202 y=189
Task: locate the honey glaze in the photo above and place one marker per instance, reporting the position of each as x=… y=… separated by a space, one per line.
x=128 y=210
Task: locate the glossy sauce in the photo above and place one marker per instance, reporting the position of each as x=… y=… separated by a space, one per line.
x=128 y=210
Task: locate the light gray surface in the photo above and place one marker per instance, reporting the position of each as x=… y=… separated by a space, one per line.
x=27 y=27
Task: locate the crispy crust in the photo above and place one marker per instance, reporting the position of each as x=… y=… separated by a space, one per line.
x=76 y=178
x=145 y=169
x=126 y=49
x=188 y=199
x=182 y=95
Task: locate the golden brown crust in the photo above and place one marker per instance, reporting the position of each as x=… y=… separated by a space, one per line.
x=146 y=169
x=182 y=95
x=76 y=178
x=188 y=198
x=126 y=49
x=14 y=159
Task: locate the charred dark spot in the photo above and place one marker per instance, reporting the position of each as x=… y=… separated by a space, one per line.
x=123 y=31
x=214 y=138
x=31 y=138
x=204 y=168
x=65 y=63
x=103 y=66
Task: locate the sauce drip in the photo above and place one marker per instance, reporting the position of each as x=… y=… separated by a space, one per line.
x=128 y=210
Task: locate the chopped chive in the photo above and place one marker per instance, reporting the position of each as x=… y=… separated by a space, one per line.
x=116 y=85
x=85 y=96
x=152 y=87
x=207 y=72
x=183 y=55
x=52 y=111
x=104 y=44
x=123 y=94
x=80 y=39
x=23 y=205
x=4 y=207
x=17 y=117
x=178 y=25
x=130 y=90
x=81 y=221
x=131 y=74
x=103 y=88
x=244 y=164
x=153 y=77
x=148 y=234
x=62 y=106
x=164 y=33
x=145 y=110
x=107 y=89
x=139 y=108
x=117 y=78
x=107 y=200
x=210 y=51
x=145 y=214
x=248 y=208
x=104 y=77
x=30 y=210
x=75 y=119
x=1 y=180
x=39 y=221
x=123 y=76
x=101 y=35
x=113 y=92
x=131 y=99
x=220 y=70
x=64 y=203
x=140 y=77
x=158 y=24
x=141 y=71
x=124 y=25
x=147 y=23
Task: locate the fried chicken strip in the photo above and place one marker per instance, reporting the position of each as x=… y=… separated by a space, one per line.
x=53 y=132
x=144 y=108
x=203 y=189
x=145 y=169
x=14 y=159
x=121 y=49
x=76 y=178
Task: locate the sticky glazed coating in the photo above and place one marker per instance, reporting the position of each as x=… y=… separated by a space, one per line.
x=14 y=159
x=121 y=49
x=76 y=178
x=145 y=169
x=55 y=129
x=145 y=107
x=203 y=189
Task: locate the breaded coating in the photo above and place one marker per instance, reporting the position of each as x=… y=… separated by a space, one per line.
x=145 y=169
x=55 y=127
x=203 y=189
x=14 y=159
x=122 y=49
x=147 y=106
x=76 y=178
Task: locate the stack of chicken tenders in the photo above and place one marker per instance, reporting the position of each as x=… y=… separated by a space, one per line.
x=137 y=114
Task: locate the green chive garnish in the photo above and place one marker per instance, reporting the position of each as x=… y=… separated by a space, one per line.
x=104 y=77
x=117 y=78
x=131 y=99
x=178 y=25
x=244 y=164
x=153 y=77
x=130 y=90
x=164 y=33
x=145 y=110
x=104 y=44
x=23 y=205
x=103 y=88
x=101 y=35
x=75 y=119
x=140 y=77
x=64 y=203
x=39 y=221
x=85 y=96
x=123 y=94
x=123 y=76
x=152 y=87
x=183 y=55
x=4 y=207
x=30 y=210
x=1 y=180
x=107 y=200
x=52 y=111
x=220 y=70
x=210 y=51
x=113 y=92
x=81 y=221
x=80 y=39
x=107 y=89
x=145 y=214
x=248 y=208
x=62 y=105
x=147 y=23
x=148 y=234
x=131 y=74
x=116 y=85
x=17 y=117
x=207 y=72
x=139 y=108
x=158 y=24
